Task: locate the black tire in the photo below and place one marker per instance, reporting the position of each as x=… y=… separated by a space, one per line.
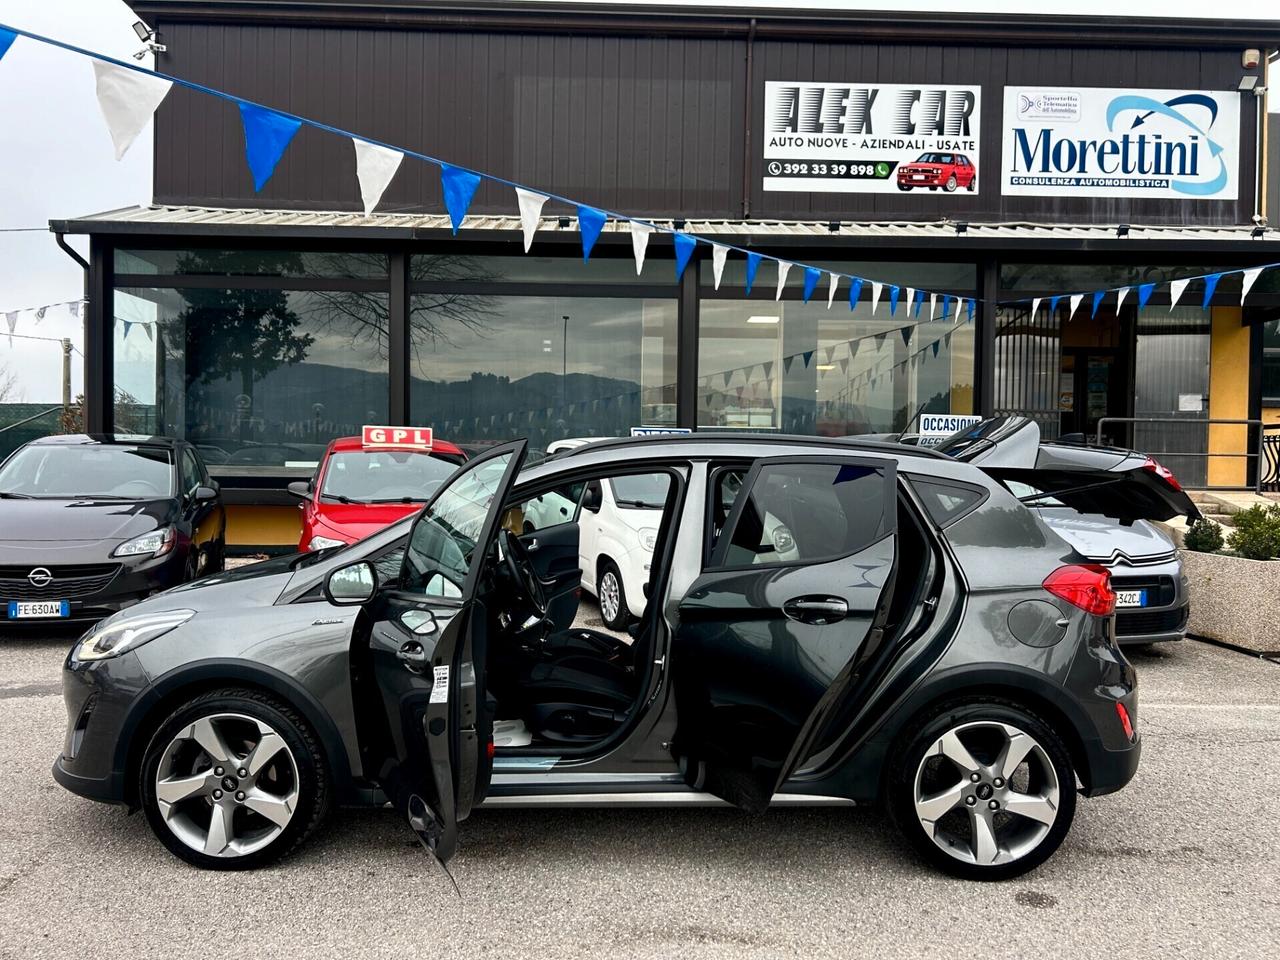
x=973 y=183
x=909 y=755
x=313 y=779
x=950 y=185
x=904 y=187
x=623 y=615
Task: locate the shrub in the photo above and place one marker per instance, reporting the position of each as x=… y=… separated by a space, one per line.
x=1257 y=532
x=1203 y=536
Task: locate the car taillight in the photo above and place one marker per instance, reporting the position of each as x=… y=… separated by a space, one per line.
x=1163 y=472
x=1083 y=585
x=1125 y=723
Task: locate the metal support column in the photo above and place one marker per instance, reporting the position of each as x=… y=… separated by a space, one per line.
x=985 y=345
x=687 y=348
x=398 y=341
x=99 y=342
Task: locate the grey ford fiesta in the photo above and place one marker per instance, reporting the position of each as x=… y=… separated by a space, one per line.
x=830 y=622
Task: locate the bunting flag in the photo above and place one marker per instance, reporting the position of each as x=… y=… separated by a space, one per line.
x=1076 y=298
x=375 y=166
x=783 y=269
x=844 y=365
x=590 y=222
x=875 y=296
x=853 y=347
x=808 y=355
x=6 y=41
x=911 y=299
x=684 y=250
x=127 y=99
x=1210 y=285
x=1035 y=306
x=855 y=292
x=640 y=243
x=830 y=352
x=933 y=305
x=11 y=317
x=906 y=336
x=40 y=313
x=75 y=309
x=767 y=366
x=753 y=264
x=831 y=289
x=1247 y=282
x=1120 y=295
x=127 y=327
x=719 y=253
x=880 y=340
x=266 y=136
x=811 y=275
x=1176 y=288
x=530 y=204
x=919 y=304
x=1097 y=299
x=1053 y=306
x=459 y=187
x=1144 y=294
x=946 y=305
x=935 y=345
x=893 y=301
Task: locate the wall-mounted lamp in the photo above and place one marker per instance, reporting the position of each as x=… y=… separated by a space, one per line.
x=962 y=226
x=563 y=223
x=833 y=226
x=1122 y=230
x=147 y=36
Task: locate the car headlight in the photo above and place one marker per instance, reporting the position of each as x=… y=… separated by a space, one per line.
x=323 y=543
x=648 y=538
x=111 y=639
x=156 y=544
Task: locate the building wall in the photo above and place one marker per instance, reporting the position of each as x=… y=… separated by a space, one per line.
x=1229 y=354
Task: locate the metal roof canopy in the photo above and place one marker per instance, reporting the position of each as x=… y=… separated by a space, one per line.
x=943 y=237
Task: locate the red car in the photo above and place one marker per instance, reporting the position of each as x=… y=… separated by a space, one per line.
x=934 y=170
x=366 y=483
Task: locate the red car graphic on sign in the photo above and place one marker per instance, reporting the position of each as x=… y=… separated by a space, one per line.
x=934 y=170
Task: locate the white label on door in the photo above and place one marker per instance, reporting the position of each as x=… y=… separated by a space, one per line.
x=440 y=685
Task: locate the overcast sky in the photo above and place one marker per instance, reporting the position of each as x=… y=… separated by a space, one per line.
x=56 y=158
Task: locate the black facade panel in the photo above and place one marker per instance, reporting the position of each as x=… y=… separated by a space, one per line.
x=649 y=125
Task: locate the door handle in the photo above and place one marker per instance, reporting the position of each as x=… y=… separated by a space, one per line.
x=412 y=654
x=817 y=610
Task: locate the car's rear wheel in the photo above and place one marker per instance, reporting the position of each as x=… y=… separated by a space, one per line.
x=984 y=789
x=612 y=597
x=233 y=779
x=973 y=183
x=950 y=185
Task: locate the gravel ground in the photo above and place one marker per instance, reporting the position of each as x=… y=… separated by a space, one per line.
x=1184 y=863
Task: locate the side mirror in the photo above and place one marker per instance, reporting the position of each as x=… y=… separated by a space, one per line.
x=204 y=494
x=593 y=497
x=300 y=489
x=352 y=585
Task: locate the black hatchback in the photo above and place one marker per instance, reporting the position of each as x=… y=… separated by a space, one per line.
x=91 y=524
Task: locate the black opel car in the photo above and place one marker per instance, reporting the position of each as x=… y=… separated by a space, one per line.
x=90 y=525
x=829 y=622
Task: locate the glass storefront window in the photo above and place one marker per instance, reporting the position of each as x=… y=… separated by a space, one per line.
x=259 y=380
x=1171 y=381
x=252 y=263
x=435 y=268
x=803 y=368
x=488 y=368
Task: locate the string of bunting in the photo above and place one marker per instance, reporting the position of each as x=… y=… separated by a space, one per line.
x=11 y=316
x=129 y=94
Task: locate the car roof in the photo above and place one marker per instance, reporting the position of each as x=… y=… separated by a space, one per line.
x=349 y=444
x=108 y=439
x=716 y=442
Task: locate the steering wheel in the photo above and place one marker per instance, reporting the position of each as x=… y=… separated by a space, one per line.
x=516 y=556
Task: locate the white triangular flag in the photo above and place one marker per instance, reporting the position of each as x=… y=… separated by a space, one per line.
x=1075 y=302
x=1035 y=305
x=875 y=296
x=12 y=319
x=640 y=242
x=375 y=166
x=74 y=307
x=127 y=98
x=530 y=214
x=831 y=291
x=911 y=299
x=1120 y=295
x=1175 y=292
x=933 y=303
x=1247 y=283
x=719 y=253
x=783 y=269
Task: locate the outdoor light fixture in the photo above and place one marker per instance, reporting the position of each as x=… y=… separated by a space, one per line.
x=762 y=319
x=144 y=32
x=564 y=223
x=834 y=226
x=962 y=226
x=678 y=224
x=1122 y=230
x=1247 y=83
x=147 y=36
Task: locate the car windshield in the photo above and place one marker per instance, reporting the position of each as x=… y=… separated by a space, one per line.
x=935 y=158
x=74 y=471
x=646 y=491
x=444 y=537
x=384 y=476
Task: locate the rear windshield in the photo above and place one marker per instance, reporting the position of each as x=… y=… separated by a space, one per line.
x=75 y=471
x=385 y=476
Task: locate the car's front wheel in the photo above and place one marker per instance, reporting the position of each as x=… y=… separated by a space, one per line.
x=950 y=185
x=612 y=597
x=233 y=779
x=984 y=789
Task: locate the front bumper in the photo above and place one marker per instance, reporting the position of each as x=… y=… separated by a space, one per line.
x=1168 y=608
x=135 y=580
x=921 y=180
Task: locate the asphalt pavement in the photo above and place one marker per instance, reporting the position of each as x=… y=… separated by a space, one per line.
x=1183 y=863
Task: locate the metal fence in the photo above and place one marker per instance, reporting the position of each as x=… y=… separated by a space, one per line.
x=1254 y=451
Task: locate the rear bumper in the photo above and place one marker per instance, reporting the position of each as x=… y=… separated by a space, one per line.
x=1110 y=770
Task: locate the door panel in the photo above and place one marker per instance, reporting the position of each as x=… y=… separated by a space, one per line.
x=770 y=634
x=553 y=551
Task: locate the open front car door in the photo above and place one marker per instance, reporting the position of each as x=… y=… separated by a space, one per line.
x=790 y=604
x=417 y=654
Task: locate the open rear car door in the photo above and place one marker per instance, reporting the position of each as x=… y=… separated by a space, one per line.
x=1121 y=484
x=771 y=637
x=417 y=656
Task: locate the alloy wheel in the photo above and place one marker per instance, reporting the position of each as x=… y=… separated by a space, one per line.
x=986 y=793
x=227 y=785
x=610 y=596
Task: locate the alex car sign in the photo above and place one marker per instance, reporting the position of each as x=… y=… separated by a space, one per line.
x=396 y=438
x=1121 y=142
x=857 y=138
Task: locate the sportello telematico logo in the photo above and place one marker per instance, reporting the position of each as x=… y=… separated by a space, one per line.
x=1183 y=157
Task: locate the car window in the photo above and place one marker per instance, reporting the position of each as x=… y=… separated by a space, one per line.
x=641 y=491
x=548 y=509
x=726 y=484
x=946 y=502
x=804 y=512
x=384 y=476
x=78 y=470
x=1020 y=490
x=190 y=472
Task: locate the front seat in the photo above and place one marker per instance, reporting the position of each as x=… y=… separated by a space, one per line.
x=577 y=697
x=584 y=642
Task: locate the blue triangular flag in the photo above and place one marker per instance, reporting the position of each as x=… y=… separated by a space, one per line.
x=893 y=300
x=459 y=187
x=855 y=293
x=1210 y=284
x=266 y=135
x=6 y=41
x=1053 y=304
x=811 y=275
x=808 y=355
x=1097 y=299
x=127 y=327
x=906 y=335
x=935 y=347
x=753 y=264
x=684 y=250
x=946 y=305
x=919 y=302
x=1144 y=294
x=970 y=320
x=590 y=223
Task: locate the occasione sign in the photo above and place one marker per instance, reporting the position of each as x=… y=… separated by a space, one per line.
x=854 y=138
x=1121 y=142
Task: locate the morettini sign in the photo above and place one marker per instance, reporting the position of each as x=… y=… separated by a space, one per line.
x=1121 y=142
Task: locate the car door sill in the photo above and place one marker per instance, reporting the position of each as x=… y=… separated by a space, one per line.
x=686 y=797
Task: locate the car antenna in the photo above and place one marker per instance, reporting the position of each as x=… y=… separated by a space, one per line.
x=914 y=417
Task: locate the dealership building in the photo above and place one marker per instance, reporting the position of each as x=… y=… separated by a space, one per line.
x=998 y=162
